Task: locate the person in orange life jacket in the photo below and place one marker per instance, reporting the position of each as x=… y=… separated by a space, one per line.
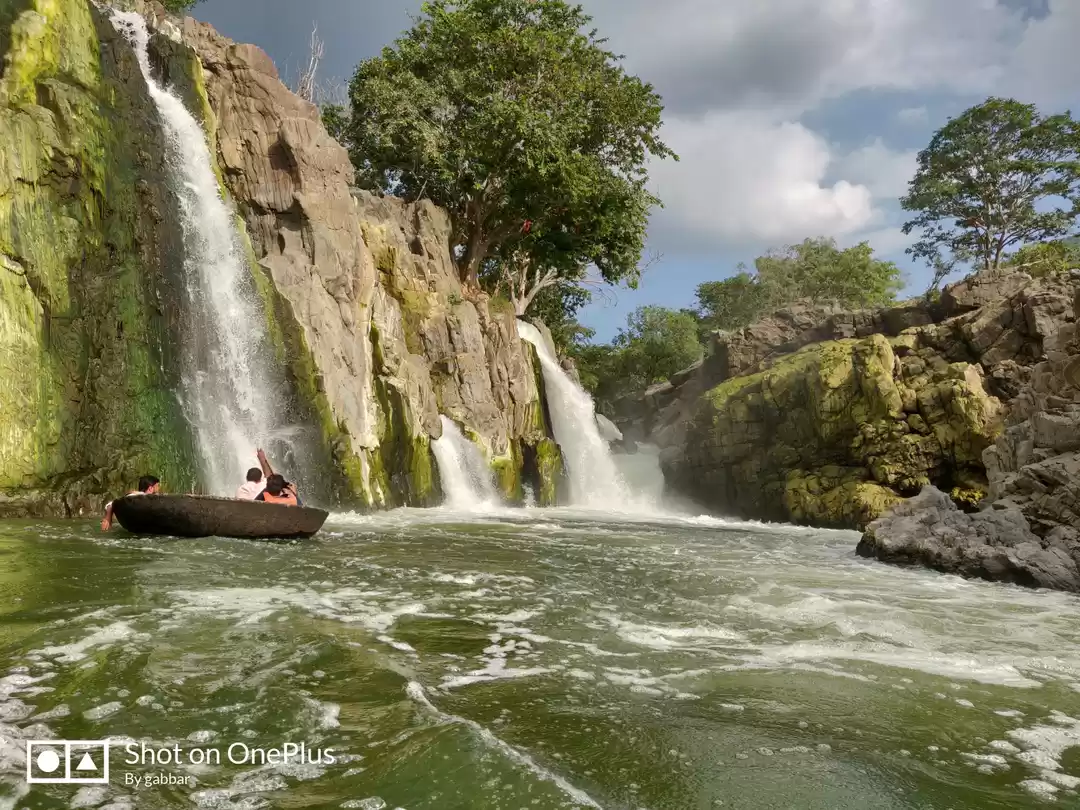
x=278 y=490
x=268 y=471
x=148 y=485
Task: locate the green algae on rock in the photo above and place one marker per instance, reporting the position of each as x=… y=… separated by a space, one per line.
x=88 y=271
x=824 y=435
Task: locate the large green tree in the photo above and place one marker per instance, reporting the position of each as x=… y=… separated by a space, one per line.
x=514 y=117
x=813 y=270
x=995 y=177
x=656 y=343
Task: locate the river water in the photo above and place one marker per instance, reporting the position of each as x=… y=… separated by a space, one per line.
x=534 y=659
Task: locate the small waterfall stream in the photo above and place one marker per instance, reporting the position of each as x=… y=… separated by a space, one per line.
x=465 y=475
x=227 y=391
x=595 y=480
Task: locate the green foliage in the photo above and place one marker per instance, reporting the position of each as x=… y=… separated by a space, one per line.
x=732 y=303
x=983 y=184
x=179 y=6
x=600 y=371
x=815 y=270
x=336 y=120
x=512 y=116
x=557 y=307
x=655 y=344
x=1045 y=258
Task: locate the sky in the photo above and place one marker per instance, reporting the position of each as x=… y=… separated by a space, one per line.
x=792 y=118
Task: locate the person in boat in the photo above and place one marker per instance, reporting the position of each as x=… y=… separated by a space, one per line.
x=148 y=485
x=253 y=486
x=250 y=489
x=278 y=490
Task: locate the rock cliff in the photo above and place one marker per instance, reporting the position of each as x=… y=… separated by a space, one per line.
x=360 y=294
x=89 y=269
x=827 y=417
x=1028 y=532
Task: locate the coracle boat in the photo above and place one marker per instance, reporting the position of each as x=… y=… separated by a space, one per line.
x=204 y=516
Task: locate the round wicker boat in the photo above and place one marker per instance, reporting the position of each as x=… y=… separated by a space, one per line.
x=203 y=516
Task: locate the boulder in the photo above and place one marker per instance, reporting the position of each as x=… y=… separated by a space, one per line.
x=833 y=435
x=995 y=544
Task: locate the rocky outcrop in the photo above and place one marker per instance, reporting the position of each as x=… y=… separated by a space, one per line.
x=379 y=333
x=994 y=544
x=373 y=332
x=1029 y=530
x=834 y=433
x=731 y=444
x=89 y=269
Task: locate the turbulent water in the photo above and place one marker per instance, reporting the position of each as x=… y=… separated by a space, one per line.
x=535 y=659
x=227 y=397
x=594 y=479
x=465 y=475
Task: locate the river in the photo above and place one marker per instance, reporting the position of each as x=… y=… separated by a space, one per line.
x=534 y=659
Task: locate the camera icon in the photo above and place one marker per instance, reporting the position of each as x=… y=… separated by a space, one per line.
x=67 y=762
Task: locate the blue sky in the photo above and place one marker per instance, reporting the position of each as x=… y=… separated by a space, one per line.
x=793 y=118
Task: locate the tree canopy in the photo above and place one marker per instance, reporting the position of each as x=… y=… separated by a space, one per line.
x=513 y=116
x=813 y=270
x=1045 y=258
x=178 y=6
x=655 y=343
x=997 y=176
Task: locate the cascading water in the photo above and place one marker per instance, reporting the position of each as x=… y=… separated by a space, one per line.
x=465 y=476
x=595 y=481
x=226 y=382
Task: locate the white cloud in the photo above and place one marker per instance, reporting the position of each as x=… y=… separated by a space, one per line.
x=884 y=171
x=737 y=77
x=792 y=54
x=744 y=179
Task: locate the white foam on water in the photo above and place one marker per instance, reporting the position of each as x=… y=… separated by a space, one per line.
x=103 y=711
x=76 y=651
x=416 y=692
x=667 y=637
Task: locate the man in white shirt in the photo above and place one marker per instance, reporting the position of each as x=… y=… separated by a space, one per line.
x=252 y=487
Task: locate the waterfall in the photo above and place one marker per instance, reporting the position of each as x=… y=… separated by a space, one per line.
x=465 y=475
x=227 y=395
x=595 y=481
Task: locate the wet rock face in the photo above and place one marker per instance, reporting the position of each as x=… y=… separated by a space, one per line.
x=995 y=543
x=89 y=270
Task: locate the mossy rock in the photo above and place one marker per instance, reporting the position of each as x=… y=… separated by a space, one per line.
x=88 y=279
x=759 y=445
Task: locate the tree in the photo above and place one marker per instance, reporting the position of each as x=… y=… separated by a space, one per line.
x=656 y=343
x=179 y=6
x=512 y=116
x=989 y=180
x=813 y=270
x=732 y=303
x=1045 y=258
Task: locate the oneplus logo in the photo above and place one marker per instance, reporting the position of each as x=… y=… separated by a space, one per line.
x=67 y=762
